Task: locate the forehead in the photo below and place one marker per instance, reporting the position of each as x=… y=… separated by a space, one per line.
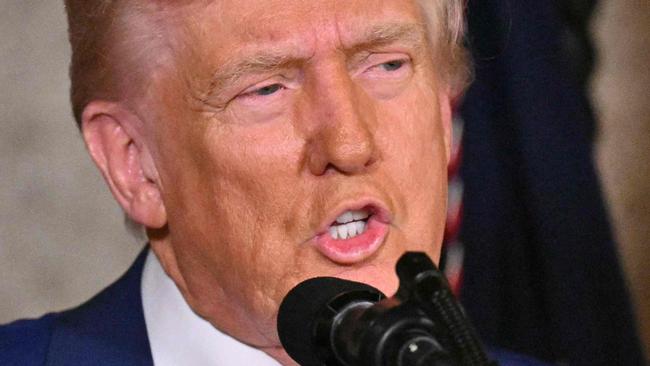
x=230 y=26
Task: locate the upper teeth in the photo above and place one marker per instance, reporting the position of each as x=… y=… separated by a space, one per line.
x=349 y=216
x=349 y=225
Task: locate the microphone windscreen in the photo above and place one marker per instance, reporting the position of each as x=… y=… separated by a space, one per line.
x=304 y=306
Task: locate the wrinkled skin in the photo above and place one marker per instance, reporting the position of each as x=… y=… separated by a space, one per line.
x=247 y=169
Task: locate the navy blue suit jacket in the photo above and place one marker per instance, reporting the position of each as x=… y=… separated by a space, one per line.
x=107 y=330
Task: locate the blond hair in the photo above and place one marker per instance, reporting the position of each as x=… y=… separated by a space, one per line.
x=445 y=21
x=112 y=43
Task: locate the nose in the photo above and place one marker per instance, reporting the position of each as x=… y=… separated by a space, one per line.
x=342 y=137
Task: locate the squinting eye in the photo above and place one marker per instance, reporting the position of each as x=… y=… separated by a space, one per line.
x=267 y=90
x=393 y=65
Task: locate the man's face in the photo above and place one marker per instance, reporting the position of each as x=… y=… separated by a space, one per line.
x=277 y=123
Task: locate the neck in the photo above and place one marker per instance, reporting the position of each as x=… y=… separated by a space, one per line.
x=279 y=354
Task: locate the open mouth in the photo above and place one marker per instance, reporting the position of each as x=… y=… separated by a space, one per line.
x=354 y=235
x=350 y=224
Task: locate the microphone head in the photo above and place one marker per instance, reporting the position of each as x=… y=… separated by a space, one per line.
x=311 y=304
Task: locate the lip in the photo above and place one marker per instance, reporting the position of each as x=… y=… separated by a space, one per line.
x=353 y=250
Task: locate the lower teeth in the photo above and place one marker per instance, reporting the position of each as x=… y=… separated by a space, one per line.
x=347 y=231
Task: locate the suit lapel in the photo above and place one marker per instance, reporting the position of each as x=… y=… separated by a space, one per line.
x=107 y=330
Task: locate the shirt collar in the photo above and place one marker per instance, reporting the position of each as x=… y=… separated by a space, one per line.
x=180 y=337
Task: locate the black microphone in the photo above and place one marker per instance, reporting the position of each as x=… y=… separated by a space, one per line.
x=312 y=308
x=327 y=321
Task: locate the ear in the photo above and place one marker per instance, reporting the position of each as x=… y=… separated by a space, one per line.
x=446 y=116
x=112 y=135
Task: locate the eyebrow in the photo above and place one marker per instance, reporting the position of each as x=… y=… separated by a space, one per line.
x=260 y=62
x=411 y=35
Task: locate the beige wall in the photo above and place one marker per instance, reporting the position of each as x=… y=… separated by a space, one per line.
x=62 y=237
x=621 y=91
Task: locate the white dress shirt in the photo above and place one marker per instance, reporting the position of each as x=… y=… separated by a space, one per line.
x=179 y=337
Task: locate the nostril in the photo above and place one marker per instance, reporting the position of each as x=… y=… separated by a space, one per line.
x=373 y=159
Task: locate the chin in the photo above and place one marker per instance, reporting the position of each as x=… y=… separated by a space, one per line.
x=380 y=275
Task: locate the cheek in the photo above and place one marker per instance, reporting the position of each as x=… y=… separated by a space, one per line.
x=414 y=133
x=416 y=159
x=237 y=190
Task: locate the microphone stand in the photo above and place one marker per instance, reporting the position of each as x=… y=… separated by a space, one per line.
x=421 y=325
x=332 y=322
x=422 y=283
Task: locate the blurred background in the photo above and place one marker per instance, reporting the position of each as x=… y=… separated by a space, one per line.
x=620 y=90
x=62 y=237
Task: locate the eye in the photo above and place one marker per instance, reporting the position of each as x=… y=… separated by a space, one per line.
x=393 y=65
x=264 y=91
x=263 y=96
x=389 y=66
x=268 y=90
x=385 y=75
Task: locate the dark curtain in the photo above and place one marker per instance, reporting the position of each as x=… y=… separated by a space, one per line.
x=541 y=272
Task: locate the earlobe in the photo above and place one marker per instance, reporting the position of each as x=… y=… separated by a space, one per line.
x=111 y=134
